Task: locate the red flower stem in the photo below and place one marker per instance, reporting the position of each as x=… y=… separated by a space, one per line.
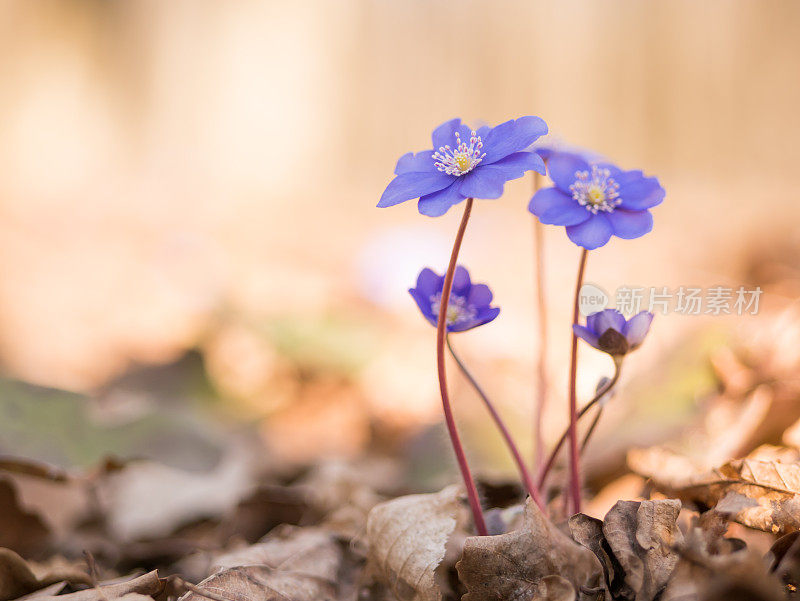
x=591 y=429
x=527 y=480
x=541 y=312
x=574 y=455
x=469 y=483
x=554 y=454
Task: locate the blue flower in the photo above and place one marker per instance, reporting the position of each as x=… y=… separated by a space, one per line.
x=596 y=200
x=467 y=164
x=608 y=331
x=469 y=305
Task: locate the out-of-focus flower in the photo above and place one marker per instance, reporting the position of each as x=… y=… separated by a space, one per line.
x=465 y=164
x=596 y=200
x=469 y=305
x=610 y=332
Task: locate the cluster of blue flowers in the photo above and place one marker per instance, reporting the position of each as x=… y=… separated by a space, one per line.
x=593 y=199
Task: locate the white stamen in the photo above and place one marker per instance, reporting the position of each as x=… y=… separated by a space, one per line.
x=457 y=308
x=463 y=159
x=596 y=191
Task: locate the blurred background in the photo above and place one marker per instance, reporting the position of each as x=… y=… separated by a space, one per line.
x=190 y=249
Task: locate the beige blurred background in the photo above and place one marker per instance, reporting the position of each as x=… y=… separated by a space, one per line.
x=202 y=175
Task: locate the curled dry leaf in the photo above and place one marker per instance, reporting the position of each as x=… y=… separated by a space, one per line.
x=714 y=568
x=538 y=562
x=407 y=539
x=300 y=550
x=146 y=586
x=635 y=544
x=762 y=494
x=18 y=578
x=292 y=565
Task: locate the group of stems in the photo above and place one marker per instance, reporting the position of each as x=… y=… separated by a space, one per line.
x=442 y=340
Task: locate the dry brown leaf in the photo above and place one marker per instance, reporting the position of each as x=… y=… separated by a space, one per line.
x=759 y=494
x=642 y=536
x=20 y=529
x=289 y=548
x=18 y=577
x=538 y=562
x=407 y=538
x=265 y=583
x=148 y=585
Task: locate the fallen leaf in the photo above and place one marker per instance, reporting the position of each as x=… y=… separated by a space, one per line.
x=642 y=536
x=407 y=538
x=766 y=493
x=538 y=562
x=147 y=586
x=264 y=583
x=18 y=577
x=301 y=550
x=20 y=529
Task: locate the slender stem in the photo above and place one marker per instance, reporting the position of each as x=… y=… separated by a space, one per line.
x=592 y=427
x=599 y=395
x=469 y=483
x=574 y=455
x=527 y=479
x=541 y=312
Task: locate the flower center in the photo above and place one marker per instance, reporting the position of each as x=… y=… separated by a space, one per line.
x=457 y=308
x=596 y=191
x=461 y=159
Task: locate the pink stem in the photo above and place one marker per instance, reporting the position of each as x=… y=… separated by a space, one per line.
x=527 y=479
x=574 y=454
x=469 y=483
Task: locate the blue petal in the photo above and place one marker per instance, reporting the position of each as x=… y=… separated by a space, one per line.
x=461 y=282
x=637 y=327
x=592 y=233
x=413 y=185
x=608 y=319
x=438 y=203
x=429 y=282
x=638 y=193
x=562 y=167
x=480 y=296
x=482 y=183
x=483 y=316
x=586 y=334
x=445 y=134
x=410 y=162
x=630 y=224
x=486 y=315
x=553 y=207
x=515 y=165
x=512 y=136
x=424 y=304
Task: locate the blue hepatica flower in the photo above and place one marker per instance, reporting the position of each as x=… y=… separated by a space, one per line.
x=610 y=332
x=596 y=200
x=469 y=305
x=465 y=163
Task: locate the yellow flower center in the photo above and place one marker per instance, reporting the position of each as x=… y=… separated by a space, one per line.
x=463 y=161
x=595 y=194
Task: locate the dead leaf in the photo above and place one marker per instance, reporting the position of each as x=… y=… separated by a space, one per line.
x=641 y=536
x=264 y=583
x=20 y=529
x=767 y=493
x=407 y=537
x=148 y=585
x=18 y=577
x=538 y=562
x=301 y=550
